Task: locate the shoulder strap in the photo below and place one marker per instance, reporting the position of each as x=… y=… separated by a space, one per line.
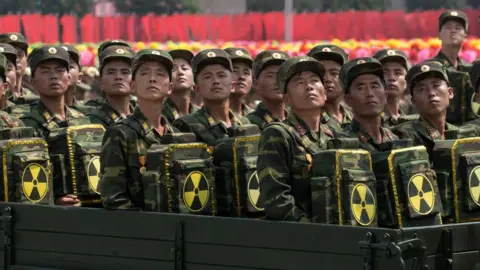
x=199 y=127
x=304 y=141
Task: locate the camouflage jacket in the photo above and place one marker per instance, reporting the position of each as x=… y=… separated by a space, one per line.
x=170 y=110
x=25 y=95
x=461 y=109
x=246 y=110
x=283 y=167
x=333 y=123
x=261 y=117
x=442 y=58
x=8 y=121
x=96 y=102
x=122 y=160
x=355 y=130
x=105 y=115
x=43 y=120
x=204 y=126
x=407 y=106
x=389 y=121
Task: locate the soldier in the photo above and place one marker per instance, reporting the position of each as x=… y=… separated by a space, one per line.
x=212 y=69
x=364 y=84
x=453 y=27
x=115 y=80
x=285 y=149
x=431 y=94
x=272 y=107
x=242 y=75
x=20 y=44
x=178 y=104
x=6 y=121
x=332 y=57
x=395 y=65
x=475 y=82
x=11 y=54
x=126 y=142
x=75 y=75
x=50 y=65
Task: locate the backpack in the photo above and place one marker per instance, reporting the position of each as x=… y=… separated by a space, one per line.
x=75 y=155
x=25 y=167
x=407 y=188
x=457 y=164
x=344 y=191
x=178 y=176
x=236 y=179
x=460 y=110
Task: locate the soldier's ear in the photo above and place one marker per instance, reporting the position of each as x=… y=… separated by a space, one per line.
x=196 y=88
x=348 y=99
x=80 y=77
x=233 y=87
x=170 y=88
x=133 y=87
x=5 y=89
x=286 y=98
x=450 y=93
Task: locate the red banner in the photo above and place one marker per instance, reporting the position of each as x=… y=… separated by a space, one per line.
x=360 y=25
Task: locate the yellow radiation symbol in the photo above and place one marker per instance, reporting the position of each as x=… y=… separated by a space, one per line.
x=363 y=204
x=474 y=185
x=93 y=171
x=195 y=191
x=35 y=182
x=253 y=190
x=420 y=194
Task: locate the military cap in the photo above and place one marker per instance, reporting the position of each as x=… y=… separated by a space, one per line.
x=359 y=66
x=392 y=55
x=108 y=43
x=115 y=52
x=424 y=70
x=329 y=52
x=182 y=54
x=266 y=59
x=9 y=51
x=453 y=15
x=156 y=55
x=47 y=52
x=240 y=55
x=295 y=65
x=210 y=57
x=73 y=52
x=475 y=74
x=3 y=67
x=14 y=39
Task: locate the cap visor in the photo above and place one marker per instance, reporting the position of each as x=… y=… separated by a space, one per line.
x=394 y=58
x=329 y=56
x=269 y=63
x=182 y=54
x=428 y=74
x=156 y=58
x=212 y=61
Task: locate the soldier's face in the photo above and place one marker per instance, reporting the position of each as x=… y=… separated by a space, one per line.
x=182 y=75
x=11 y=76
x=332 y=82
x=431 y=96
x=367 y=96
x=3 y=87
x=266 y=84
x=395 y=75
x=215 y=83
x=51 y=78
x=452 y=33
x=116 y=78
x=21 y=61
x=305 y=91
x=74 y=72
x=243 y=78
x=152 y=82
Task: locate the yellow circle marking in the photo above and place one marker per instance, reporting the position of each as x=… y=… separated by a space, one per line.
x=196 y=191
x=35 y=182
x=253 y=191
x=474 y=185
x=421 y=195
x=93 y=171
x=363 y=204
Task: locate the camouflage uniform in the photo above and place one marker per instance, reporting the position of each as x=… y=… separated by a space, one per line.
x=333 y=123
x=105 y=114
x=285 y=152
x=348 y=73
x=17 y=39
x=261 y=116
x=124 y=151
x=475 y=82
x=40 y=118
x=201 y=122
x=241 y=55
x=6 y=121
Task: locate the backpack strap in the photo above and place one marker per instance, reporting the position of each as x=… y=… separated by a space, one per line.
x=199 y=128
x=304 y=141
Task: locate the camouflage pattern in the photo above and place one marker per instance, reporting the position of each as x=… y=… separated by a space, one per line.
x=407 y=189
x=262 y=117
x=246 y=110
x=333 y=122
x=407 y=106
x=8 y=121
x=74 y=152
x=16 y=133
x=284 y=168
x=390 y=121
x=295 y=65
x=204 y=126
x=456 y=164
x=123 y=155
x=475 y=75
x=170 y=110
x=356 y=67
x=19 y=110
x=355 y=130
x=351 y=174
x=15 y=39
x=28 y=171
x=43 y=120
x=268 y=58
x=96 y=102
x=105 y=115
x=443 y=59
